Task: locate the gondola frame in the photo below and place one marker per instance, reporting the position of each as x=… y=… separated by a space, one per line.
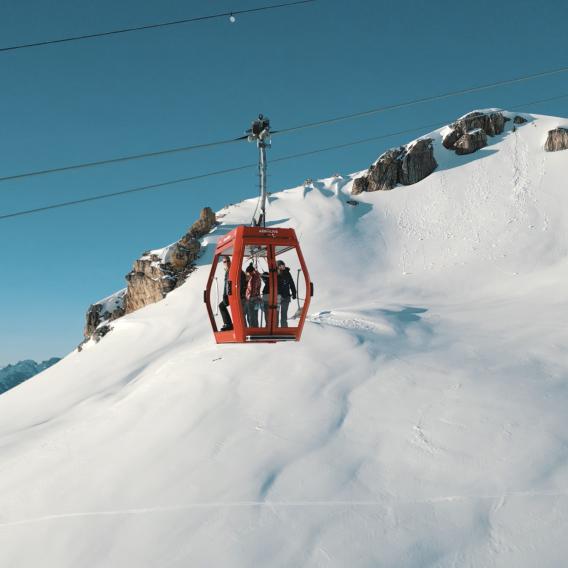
x=236 y=241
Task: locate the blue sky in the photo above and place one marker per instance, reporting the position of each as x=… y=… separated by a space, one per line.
x=132 y=93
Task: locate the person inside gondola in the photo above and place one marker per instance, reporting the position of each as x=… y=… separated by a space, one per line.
x=227 y=321
x=252 y=296
x=265 y=277
x=286 y=290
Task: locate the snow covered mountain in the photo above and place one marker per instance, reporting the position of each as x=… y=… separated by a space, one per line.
x=421 y=421
x=13 y=375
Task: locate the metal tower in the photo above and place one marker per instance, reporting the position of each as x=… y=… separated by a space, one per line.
x=260 y=132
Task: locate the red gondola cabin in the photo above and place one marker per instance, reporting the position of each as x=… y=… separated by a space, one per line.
x=268 y=309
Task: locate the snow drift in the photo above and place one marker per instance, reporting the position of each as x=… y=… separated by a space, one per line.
x=421 y=421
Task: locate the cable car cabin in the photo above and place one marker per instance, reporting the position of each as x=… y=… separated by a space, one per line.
x=259 y=289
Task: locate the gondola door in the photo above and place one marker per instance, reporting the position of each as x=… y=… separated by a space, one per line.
x=257 y=268
x=262 y=308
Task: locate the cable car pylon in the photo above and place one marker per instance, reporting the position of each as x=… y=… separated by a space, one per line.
x=255 y=263
x=259 y=132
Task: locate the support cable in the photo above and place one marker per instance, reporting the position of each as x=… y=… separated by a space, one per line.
x=123 y=159
x=277 y=132
x=152 y=26
x=244 y=167
x=420 y=101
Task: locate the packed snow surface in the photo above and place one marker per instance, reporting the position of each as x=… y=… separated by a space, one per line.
x=421 y=421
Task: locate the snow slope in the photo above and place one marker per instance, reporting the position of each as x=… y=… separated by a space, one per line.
x=421 y=421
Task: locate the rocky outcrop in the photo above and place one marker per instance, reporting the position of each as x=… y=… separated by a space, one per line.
x=450 y=139
x=471 y=142
x=557 y=140
x=106 y=310
x=417 y=162
x=519 y=120
x=491 y=123
x=464 y=132
x=360 y=185
x=148 y=282
x=383 y=174
x=153 y=275
x=406 y=165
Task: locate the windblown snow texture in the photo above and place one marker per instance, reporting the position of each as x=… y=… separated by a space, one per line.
x=421 y=421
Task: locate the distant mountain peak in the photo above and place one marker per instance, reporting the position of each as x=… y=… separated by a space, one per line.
x=13 y=375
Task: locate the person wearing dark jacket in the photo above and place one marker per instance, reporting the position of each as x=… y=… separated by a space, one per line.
x=265 y=276
x=227 y=321
x=286 y=290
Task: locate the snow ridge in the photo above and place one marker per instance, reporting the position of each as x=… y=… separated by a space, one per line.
x=420 y=421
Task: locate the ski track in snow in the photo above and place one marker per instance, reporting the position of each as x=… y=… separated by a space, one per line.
x=499 y=502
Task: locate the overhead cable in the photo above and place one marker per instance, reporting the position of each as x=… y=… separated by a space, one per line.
x=277 y=132
x=421 y=101
x=123 y=159
x=400 y=132
x=169 y=183
x=125 y=192
x=153 y=26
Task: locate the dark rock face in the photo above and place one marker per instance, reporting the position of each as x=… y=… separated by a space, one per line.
x=492 y=123
x=405 y=165
x=557 y=140
x=471 y=142
x=417 y=162
x=383 y=175
x=151 y=278
x=13 y=375
x=450 y=139
x=519 y=120
x=464 y=136
x=360 y=185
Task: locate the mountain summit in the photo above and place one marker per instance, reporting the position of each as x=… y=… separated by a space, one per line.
x=420 y=421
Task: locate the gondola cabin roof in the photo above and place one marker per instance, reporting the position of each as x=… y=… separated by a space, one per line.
x=257 y=235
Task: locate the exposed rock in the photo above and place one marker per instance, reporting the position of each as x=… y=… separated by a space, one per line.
x=490 y=124
x=519 y=119
x=405 y=165
x=101 y=332
x=450 y=139
x=360 y=185
x=153 y=275
x=93 y=318
x=383 y=174
x=471 y=142
x=187 y=249
x=417 y=162
x=106 y=310
x=557 y=140
x=146 y=283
